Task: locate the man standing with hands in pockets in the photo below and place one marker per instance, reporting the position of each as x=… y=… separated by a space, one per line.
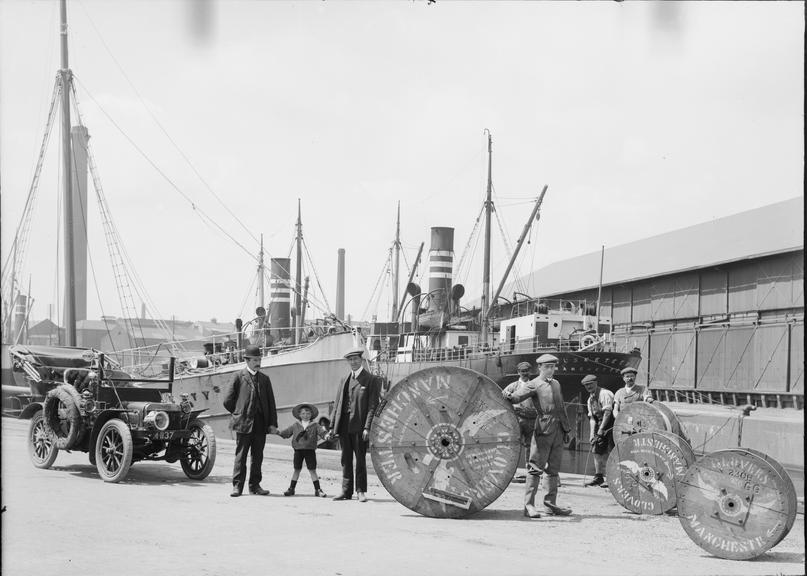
x=354 y=408
x=251 y=402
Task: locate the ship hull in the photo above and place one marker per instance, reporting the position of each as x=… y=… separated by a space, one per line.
x=307 y=374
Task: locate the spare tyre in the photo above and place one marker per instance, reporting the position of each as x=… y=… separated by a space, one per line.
x=62 y=416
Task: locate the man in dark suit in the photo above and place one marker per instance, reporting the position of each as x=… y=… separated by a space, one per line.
x=354 y=408
x=251 y=401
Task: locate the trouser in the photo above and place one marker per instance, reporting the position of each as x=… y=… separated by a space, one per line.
x=253 y=443
x=353 y=445
x=545 y=454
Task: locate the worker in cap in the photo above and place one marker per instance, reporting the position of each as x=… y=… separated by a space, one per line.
x=525 y=412
x=600 y=405
x=632 y=392
x=356 y=400
x=251 y=402
x=550 y=433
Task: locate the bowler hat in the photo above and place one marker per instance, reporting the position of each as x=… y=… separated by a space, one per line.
x=588 y=379
x=524 y=366
x=547 y=359
x=629 y=370
x=252 y=351
x=296 y=410
x=358 y=351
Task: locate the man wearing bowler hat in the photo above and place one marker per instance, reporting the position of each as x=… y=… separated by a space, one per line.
x=550 y=433
x=251 y=402
x=354 y=408
x=600 y=405
x=632 y=392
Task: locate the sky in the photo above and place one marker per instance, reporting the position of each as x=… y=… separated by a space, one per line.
x=210 y=121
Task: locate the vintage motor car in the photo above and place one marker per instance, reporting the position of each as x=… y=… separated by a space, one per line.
x=81 y=400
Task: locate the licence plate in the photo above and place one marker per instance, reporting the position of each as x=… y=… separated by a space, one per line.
x=164 y=435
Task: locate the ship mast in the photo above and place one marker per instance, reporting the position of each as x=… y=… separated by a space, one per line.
x=67 y=203
x=396 y=264
x=261 y=269
x=298 y=327
x=486 y=269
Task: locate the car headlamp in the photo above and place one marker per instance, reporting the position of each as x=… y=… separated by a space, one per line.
x=158 y=419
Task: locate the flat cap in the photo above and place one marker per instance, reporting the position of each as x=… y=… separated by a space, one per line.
x=588 y=379
x=358 y=351
x=547 y=359
x=524 y=366
x=629 y=370
x=252 y=351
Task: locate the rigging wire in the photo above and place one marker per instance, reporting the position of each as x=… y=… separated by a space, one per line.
x=198 y=210
x=163 y=130
x=384 y=270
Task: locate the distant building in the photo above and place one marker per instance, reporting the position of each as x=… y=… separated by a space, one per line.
x=45 y=333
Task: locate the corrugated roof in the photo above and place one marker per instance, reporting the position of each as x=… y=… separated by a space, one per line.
x=773 y=229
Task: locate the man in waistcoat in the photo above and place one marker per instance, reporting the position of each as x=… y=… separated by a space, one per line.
x=251 y=402
x=600 y=405
x=632 y=392
x=525 y=412
x=354 y=408
x=550 y=433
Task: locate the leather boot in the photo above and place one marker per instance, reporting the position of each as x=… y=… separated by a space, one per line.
x=530 y=489
x=551 y=497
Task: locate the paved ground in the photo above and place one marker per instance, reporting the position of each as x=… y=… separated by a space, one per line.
x=67 y=521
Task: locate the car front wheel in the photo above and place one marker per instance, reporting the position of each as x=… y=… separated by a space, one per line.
x=41 y=447
x=113 y=451
x=198 y=451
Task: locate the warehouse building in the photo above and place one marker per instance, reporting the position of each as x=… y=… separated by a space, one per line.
x=717 y=308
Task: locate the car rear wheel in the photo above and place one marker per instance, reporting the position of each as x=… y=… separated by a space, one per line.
x=113 y=451
x=62 y=417
x=198 y=451
x=41 y=447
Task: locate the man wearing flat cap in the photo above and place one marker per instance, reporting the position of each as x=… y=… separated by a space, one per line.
x=550 y=433
x=632 y=392
x=353 y=411
x=251 y=402
x=525 y=411
x=600 y=418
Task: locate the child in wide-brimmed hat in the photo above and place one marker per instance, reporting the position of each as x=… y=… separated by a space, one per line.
x=304 y=435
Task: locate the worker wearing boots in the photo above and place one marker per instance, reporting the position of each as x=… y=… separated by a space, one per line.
x=551 y=432
x=600 y=408
x=525 y=412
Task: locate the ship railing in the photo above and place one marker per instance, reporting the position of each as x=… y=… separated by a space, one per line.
x=197 y=354
x=730 y=397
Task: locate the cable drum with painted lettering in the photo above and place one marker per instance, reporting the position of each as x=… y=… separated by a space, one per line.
x=645 y=417
x=444 y=442
x=735 y=504
x=644 y=471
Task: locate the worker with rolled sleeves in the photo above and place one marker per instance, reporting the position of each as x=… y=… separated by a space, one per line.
x=600 y=405
x=632 y=392
x=549 y=435
x=525 y=411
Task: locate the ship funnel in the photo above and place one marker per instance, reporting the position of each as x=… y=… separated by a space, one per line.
x=340 y=284
x=441 y=265
x=280 y=293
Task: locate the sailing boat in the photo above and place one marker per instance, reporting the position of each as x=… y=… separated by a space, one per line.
x=490 y=339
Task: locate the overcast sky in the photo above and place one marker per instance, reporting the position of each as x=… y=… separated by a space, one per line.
x=640 y=117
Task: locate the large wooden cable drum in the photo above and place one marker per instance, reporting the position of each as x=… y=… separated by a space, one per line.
x=644 y=471
x=736 y=504
x=639 y=417
x=444 y=442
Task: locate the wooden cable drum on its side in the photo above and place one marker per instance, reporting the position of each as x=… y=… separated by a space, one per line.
x=644 y=471
x=640 y=417
x=735 y=504
x=444 y=442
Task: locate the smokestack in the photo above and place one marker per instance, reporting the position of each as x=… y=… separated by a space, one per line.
x=20 y=310
x=80 y=137
x=280 y=293
x=441 y=265
x=340 y=284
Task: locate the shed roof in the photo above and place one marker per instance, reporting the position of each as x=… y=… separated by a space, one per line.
x=773 y=229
